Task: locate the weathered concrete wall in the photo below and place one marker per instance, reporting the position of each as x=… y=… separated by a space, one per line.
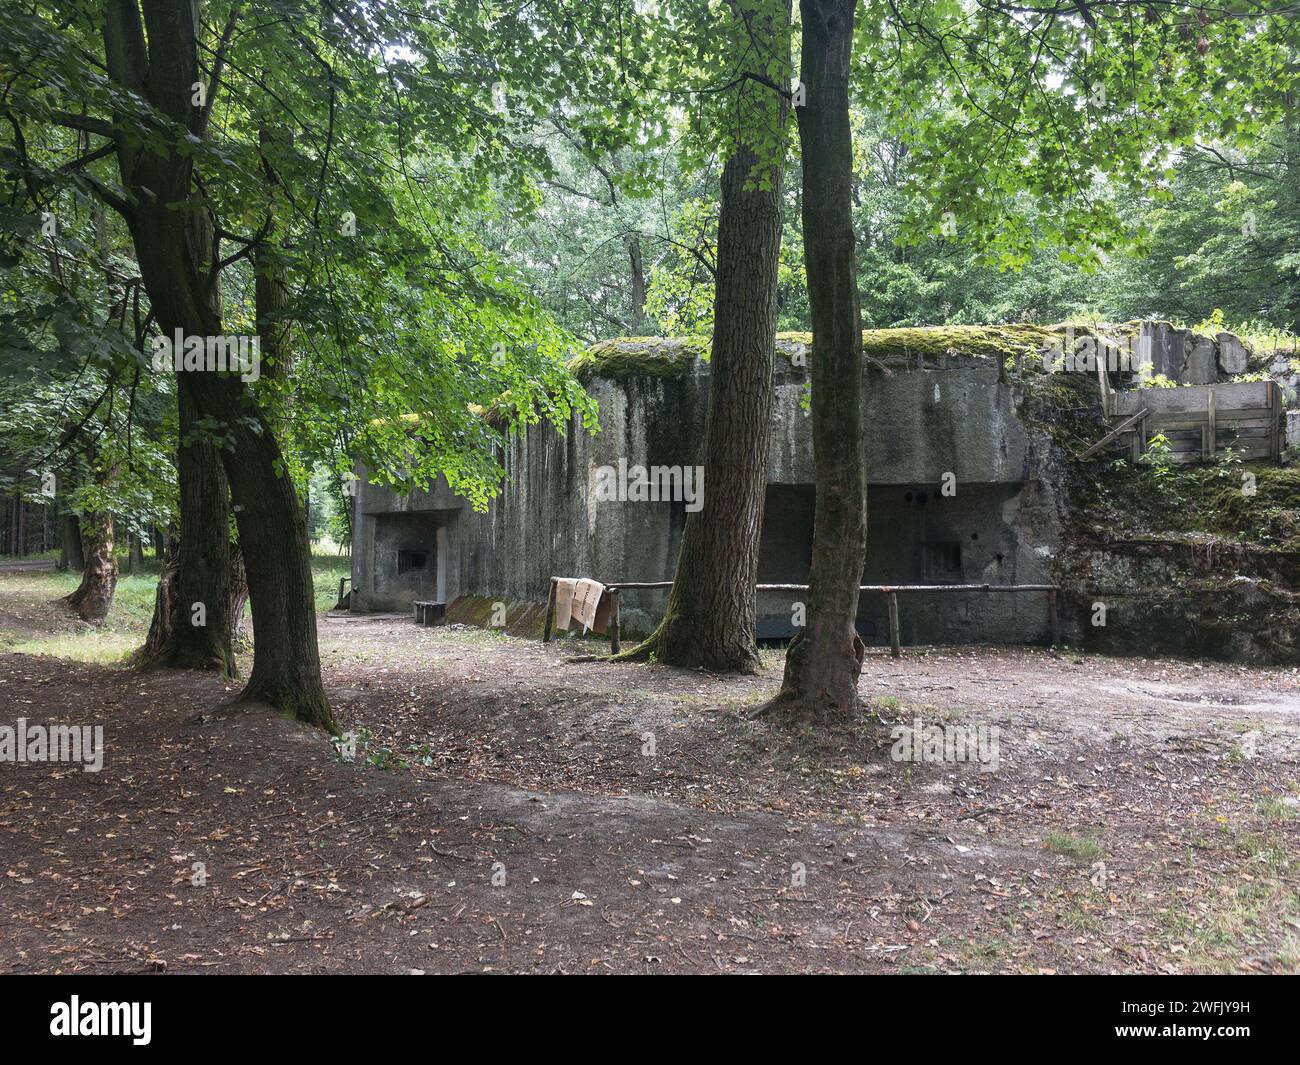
x=1210 y=599
x=923 y=417
x=546 y=519
x=926 y=417
x=936 y=402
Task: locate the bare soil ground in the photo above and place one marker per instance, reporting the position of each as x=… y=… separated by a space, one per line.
x=502 y=814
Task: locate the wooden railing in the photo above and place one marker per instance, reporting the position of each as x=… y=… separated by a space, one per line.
x=890 y=590
x=1199 y=421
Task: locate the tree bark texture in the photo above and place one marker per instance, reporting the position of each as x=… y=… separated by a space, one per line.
x=710 y=615
x=825 y=659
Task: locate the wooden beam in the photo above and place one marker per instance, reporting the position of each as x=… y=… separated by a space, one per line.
x=874 y=587
x=550 y=613
x=1211 y=430
x=614 y=622
x=1104 y=382
x=894 y=651
x=1275 y=430
x=1127 y=423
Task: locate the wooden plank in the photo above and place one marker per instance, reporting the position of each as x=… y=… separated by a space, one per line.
x=1163 y=423
x=1104 y=382
x=1211 y=437
x=1242 y=395
x=1275 y=403
x=939 y=587
x=886 y=587
x=1263 y=422
x=894 y=651
x=1258 y=451
x=1200 y=418
x=550 y=613
x=1126 y=424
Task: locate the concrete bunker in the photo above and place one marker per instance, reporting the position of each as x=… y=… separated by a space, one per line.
x=975 y=407
x=915 y=535
x=407 y=559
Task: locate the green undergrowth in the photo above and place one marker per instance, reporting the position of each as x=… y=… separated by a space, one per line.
x=1215 y=499
x=33 y=620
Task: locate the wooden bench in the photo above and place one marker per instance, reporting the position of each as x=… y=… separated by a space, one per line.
x=427 y=612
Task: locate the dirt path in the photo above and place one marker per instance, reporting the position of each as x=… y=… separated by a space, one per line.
x=503 y=813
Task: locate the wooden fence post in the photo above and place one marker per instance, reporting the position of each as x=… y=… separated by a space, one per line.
x=550 y=613
x=893 y=625
x=1054 y=616
x=614 y=645
x=1211 y=429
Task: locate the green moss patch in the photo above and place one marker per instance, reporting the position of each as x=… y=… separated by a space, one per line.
x=1270 y=517
x=1199 y=501
x=931 y=343
x=624 y=357
x=523 y=617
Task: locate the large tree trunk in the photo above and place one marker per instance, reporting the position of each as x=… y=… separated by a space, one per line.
x=94 y=595
x=175 y=250
x=709 y=620
x=825 y=659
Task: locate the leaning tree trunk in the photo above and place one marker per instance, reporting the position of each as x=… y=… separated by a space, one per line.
x=94 y=595
x=277 y=557
x=709 y=619
x=825 y=659
x=176 y=253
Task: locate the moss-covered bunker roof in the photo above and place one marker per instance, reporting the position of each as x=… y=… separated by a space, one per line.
x=623 y=357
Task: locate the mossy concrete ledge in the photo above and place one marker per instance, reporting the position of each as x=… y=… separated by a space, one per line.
x=623 y=357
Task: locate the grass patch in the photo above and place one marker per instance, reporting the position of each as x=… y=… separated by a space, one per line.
x=326 y=570
x=1269 y=851
x=1275 y=809
x=1232 y=921
x=40 y=625
x=46 y=627
x=1084 y=847
x=101 y=648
